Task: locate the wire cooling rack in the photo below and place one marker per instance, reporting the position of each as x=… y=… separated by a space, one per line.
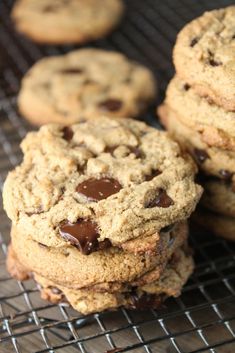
x=203 y=318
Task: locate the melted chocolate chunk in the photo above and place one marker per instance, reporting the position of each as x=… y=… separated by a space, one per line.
x=213 y=62
x=162 y=200
x=84 y=235
x=98 y=189
x=200 y=155
x=225 y=174
x=187 y=87
x=152 y=175
x=72 y=71
x=194 y=41
x=145 y=301
x=111 y=105
x=67 y=133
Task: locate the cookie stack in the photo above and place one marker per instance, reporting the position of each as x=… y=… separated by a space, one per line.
x=99 y=214
x=199 y=112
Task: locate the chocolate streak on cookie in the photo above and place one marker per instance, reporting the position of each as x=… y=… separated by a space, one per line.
x=84 y=235
x=98 y=189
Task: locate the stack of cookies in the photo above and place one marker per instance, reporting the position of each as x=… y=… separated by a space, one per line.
x=199 y=111
x=99 y=214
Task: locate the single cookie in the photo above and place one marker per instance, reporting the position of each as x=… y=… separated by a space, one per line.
x=66 y=21
x=216 y=124
x=149 y=296
x=204 y=56
x=107 y=268
x=219 y=197
x=85 y=83
x=220 y=225
x=211 y=160
x=99 y=183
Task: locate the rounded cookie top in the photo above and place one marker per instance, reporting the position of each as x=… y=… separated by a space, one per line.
x=66 y=21
x=204 y=55
x=109 y=181
x=85 y=84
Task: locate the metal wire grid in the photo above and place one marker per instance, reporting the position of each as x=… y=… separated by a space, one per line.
x=203 y=318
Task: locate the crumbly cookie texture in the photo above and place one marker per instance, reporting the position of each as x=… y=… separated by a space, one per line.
x=66 y=21
x=142 y=297
x=220 y=225
x=219 y=196
x=217 y=125
x=110 y=268
x=204 y=56
x=115 y=180
x=212 y=159
x=85 y=83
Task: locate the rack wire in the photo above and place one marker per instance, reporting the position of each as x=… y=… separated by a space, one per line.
x=202 y=319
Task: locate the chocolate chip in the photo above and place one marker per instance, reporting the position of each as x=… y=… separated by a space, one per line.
x=194 y=41
x=67 y=133
x=84 y=235
x=162 y=200
x=200 y=155
x=153 y=174
x=71 y=71
x=98 y=189
x=111 y=105
x=145 y=301
x=187 y=87
x=225 y=174
x=233 y=37
x=37 y=211
x=213 y=62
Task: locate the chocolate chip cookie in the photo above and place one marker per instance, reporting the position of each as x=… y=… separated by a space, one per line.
x=100 y=183
x=204 y=56
x=199 y=113
x=205 y=146
x=107 y=269
x=85 y=83
x=66 y=21
x=93 y=299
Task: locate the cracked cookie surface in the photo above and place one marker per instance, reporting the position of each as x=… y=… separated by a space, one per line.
x=44 y=198
x=204 y=56
x=85 y=83
x=66 y=21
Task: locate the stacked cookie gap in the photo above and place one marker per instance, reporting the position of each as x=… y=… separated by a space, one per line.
x=199 y=112
x=99 y=214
